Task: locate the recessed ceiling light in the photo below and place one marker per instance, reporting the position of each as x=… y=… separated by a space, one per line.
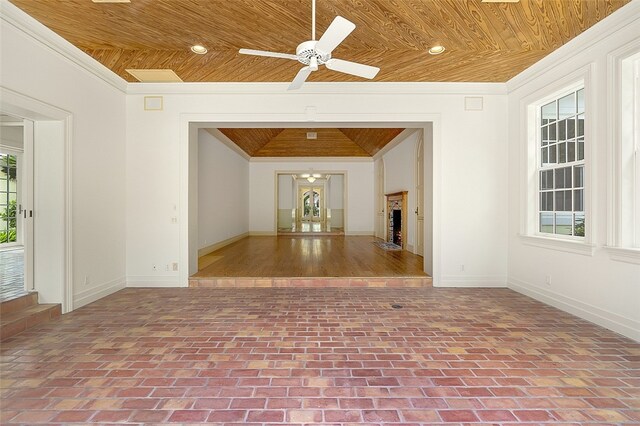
x=200 y=50
x=436 y=50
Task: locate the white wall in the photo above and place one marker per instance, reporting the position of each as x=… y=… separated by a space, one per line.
x=223 y=194
x=469 y=145
x=400 y=175
x=335 y=200
x=591 y=285
x=359 y=192
x=34 y=70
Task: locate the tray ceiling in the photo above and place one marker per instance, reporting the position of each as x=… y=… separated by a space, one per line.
x=485 y=42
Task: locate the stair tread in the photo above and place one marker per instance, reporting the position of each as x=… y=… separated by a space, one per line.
x=25 y=312
x=28 y=299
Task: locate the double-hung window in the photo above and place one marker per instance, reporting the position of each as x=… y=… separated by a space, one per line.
x=561 y=166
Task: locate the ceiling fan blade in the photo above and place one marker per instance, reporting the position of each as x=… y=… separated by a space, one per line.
x=339 y=29
x=301 y=77
x=353 y=68
x=268 y=54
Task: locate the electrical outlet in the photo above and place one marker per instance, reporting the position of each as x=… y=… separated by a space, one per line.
x=174 y=266
x=547 y=279
x=154 y=267
x=461 y=268
x=86 y=279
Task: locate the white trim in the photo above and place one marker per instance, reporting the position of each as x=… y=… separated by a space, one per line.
x=220 y=244
x=154 y=281
x=480 y=281
x=394 y=142
x=319 y=88
x=359 y=233
x=262 y=233
x=26 y=107
x=189 y=121
x=216 y=133
x=625 y=16
x=98 y=292
x=615 y=180
x=529 y=129
x=625 y=326
x=15 y=17
x=311 y=160
x=621 y=254
x=561 y=244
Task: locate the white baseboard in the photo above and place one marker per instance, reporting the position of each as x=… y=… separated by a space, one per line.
x=92 y=294
x=154 y=281
x=217 y=246
x=625 y=326
x=262 y=233
x=479 y=281
x=410 y=248
x=360 y=233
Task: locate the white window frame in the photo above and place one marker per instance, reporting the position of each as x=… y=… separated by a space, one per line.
x=623 y=211
x=556 y=166
x=530 y=160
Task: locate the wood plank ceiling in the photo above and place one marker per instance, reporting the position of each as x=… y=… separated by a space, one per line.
x=294 y=143
x=485 y=42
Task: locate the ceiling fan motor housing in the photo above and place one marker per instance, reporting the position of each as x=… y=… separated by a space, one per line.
x=307 y=50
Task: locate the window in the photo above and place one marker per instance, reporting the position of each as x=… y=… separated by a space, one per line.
x=8 y=198
x=561 y=166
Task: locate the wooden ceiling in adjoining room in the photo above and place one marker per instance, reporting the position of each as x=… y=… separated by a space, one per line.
x=293 y=142
x=485 y=42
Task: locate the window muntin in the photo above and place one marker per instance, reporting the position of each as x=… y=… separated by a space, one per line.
x=561 y=166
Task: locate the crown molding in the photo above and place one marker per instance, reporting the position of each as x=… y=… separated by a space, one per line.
x=318 y=88
x=628 y=15
x=14 y=16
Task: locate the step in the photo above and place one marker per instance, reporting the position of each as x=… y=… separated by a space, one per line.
x=234 y=282
x=13 y=305
x=30 y=316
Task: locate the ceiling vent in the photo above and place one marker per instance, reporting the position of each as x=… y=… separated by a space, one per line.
x=312 y=135
x=155 y=76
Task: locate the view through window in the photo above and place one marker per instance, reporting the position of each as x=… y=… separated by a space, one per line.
x=561 y=166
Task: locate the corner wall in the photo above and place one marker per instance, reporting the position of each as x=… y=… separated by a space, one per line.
x=591 y=285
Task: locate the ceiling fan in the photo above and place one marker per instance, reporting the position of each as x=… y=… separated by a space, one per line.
x=313 y=53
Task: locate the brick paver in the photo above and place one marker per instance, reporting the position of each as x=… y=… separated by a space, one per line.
x=319 y=355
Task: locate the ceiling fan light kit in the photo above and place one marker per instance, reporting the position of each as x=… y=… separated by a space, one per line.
x=314 y=53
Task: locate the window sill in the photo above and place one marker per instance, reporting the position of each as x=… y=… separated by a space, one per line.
x=569 y=246
x=623 y=254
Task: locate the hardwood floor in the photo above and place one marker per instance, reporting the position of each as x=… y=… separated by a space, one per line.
x=309 y=256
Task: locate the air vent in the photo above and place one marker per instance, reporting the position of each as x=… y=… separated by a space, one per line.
x=155 y=76
x=312 y=135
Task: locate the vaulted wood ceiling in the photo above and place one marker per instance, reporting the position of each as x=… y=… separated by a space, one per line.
x=294 y=143
x=485 y=42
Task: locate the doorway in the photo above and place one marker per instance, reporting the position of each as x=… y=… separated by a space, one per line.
x=310 y=203
x=45 y=195
x=16 y=195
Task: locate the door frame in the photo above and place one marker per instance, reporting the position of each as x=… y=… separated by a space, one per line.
x=429 y=123
x=22 y=106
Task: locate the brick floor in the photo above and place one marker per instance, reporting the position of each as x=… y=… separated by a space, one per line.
x=310 y=355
